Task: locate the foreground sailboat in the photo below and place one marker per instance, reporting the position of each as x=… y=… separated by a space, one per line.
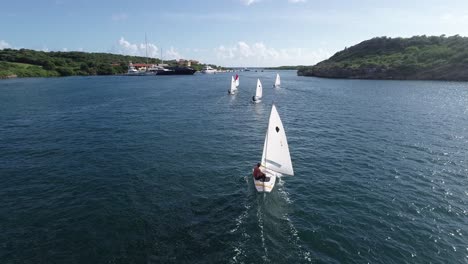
x=237 y=80
x=276 y=160
x=233 y=89
x=277 y=81
x=257 y=98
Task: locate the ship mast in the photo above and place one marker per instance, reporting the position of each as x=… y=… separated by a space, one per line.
x=146 y=52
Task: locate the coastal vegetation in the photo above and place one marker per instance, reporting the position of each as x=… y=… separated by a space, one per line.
x=284 y=68
x=32 y=63
x=415 y=58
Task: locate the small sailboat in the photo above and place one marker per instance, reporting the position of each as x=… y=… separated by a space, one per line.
x=276 y=160
x=257 y=98
x=233 y=89
x=277 y=81
x=237 y=80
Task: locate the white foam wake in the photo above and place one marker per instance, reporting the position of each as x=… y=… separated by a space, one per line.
x=296 y=240
x=240 y=245
x=283 y=193
x=262 y=236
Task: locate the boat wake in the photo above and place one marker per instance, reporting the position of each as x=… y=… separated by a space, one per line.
x=283 y=193
x=262 y=235
x=244 y=237
x=295 y=240
x=241 y=248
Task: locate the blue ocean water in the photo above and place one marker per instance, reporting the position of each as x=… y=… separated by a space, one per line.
x=157 y=170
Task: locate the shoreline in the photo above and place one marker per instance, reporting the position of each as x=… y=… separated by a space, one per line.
x=12 y=76
x=383 y=79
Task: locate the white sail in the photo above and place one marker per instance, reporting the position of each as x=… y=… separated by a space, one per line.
x=276 y=155
x=237 y=80
x=233 y=86
x=277 y=81
x=259 y=91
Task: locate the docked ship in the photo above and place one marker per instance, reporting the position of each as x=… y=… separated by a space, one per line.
x=132 y=71
x=177 y=70
x=159 y=70
x=143 y=71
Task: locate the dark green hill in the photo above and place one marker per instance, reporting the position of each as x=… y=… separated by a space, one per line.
x=415 y=58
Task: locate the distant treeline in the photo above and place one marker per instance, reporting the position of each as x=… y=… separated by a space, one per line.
x=419 y=57
x=284 y=68
x=31 y=63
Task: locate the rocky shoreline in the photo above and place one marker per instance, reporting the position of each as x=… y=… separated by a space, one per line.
x=12 y=76
x=454 y=73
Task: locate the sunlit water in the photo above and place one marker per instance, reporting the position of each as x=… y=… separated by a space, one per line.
x=157 y=170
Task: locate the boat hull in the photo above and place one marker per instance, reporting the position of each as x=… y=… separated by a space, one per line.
x=177 y=71
x=140 y=74
x=266 y=186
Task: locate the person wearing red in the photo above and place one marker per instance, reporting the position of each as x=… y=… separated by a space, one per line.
x=258 y=174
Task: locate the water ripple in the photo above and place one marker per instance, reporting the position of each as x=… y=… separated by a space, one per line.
x=157 y=170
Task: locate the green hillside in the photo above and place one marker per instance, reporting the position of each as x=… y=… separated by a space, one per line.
x=415 y=58
x=32 y=63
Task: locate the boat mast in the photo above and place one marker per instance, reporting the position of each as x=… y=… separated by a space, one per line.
x=266 y=151
x=266 y=143
x=162 y=61
x=146 y=53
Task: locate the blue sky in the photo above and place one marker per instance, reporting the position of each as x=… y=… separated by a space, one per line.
x=223 y=32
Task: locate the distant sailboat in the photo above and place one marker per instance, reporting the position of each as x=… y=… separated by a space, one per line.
x=237 y=80
x=233 y=89
x=276 y=160
x=277 y=81
x=257 y=98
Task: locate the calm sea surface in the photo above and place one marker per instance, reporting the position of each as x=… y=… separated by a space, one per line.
x=157 y=170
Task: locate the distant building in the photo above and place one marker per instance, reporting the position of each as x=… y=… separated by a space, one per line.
x=182 y=62
x=141 y=65
x=187 y=63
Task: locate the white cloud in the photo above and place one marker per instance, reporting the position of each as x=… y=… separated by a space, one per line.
x=249 y=2
x=126 y=48
x=259 y=54
x=4 y=45
x=244 y=49
x=454 y=19
x=297 y=1
x=119 y=17
x=172 y=54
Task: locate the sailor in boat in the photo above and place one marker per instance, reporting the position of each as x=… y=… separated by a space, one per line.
x=258 y=174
